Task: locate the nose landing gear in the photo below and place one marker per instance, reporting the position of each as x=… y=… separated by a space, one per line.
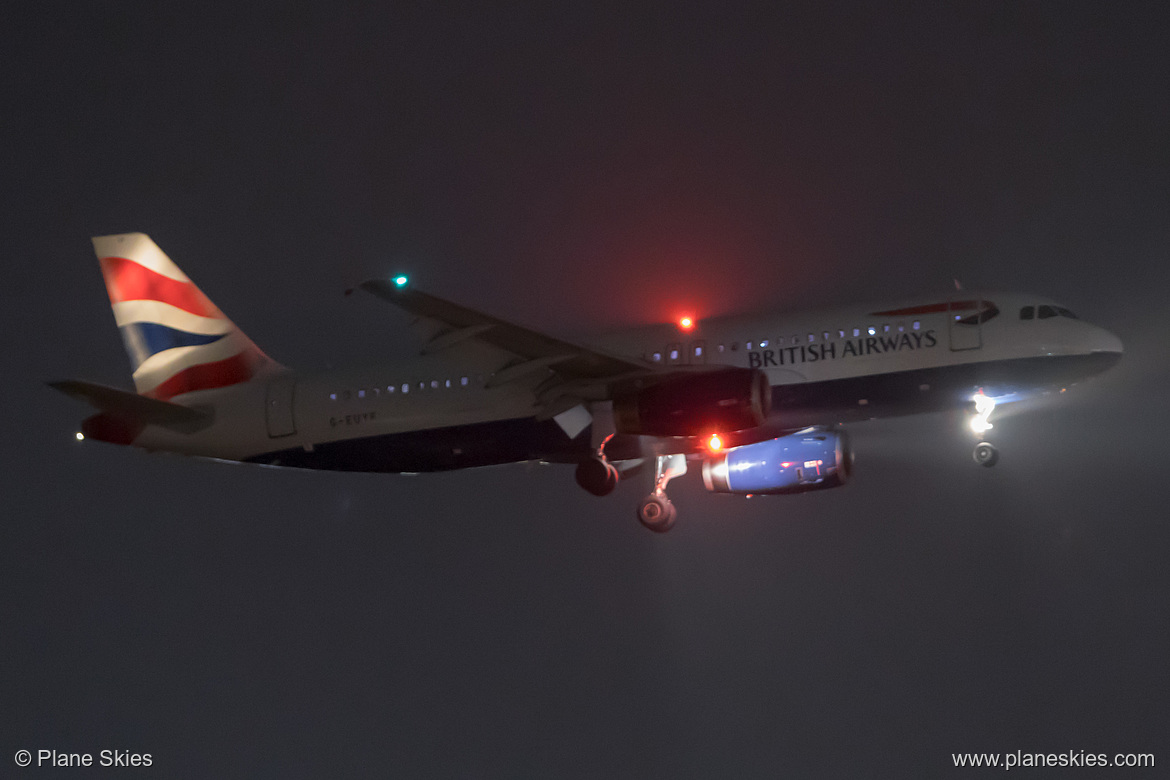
x=656 y=512
x=985 y=453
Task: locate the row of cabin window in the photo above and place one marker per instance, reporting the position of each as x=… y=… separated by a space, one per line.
x=697 y=349
x=373 y=392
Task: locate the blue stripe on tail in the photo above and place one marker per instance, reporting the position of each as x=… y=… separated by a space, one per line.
x=143 y=339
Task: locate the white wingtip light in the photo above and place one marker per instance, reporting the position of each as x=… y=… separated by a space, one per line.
x=80 y=436
x=400 y=281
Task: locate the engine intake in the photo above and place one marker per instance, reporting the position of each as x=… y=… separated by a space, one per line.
x=808 y=460
x=693 y=404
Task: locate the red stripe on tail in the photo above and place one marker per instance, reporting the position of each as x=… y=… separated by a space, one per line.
x=126 y=280
x=206 y=376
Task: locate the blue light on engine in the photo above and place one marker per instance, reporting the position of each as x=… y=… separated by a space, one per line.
x=789 y=464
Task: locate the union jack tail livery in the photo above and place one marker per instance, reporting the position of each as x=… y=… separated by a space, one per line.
x=177 y=339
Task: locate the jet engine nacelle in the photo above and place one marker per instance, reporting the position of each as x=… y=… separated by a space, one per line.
x=692 y=404
x=807 y=460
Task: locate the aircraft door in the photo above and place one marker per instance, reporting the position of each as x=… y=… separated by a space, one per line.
x=964 y=327
x=278 y=407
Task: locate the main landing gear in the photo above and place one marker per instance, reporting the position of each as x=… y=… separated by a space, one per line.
x=596 y=474
x=985 y=453
x=656 y=512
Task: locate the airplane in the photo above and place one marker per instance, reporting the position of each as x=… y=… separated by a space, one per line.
x=759 y=403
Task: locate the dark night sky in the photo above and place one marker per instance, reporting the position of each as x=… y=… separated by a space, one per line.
x=581 y=170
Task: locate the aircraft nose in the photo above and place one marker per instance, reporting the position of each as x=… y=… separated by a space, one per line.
x=1105 y=352
x=1107 y=342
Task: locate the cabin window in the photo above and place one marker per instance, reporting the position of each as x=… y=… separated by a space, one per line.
x=764 y=344
x=872 y=331
x=434 y=384
x=1046 y=312
x=885 y=328
x=390 y=388
x=333 y=396
x=720 y=347
x=856 y=332
x=916 y=325
x=841 y=334
x=361 y=393
x=656 y=357
x=901 y=327
x=735 y=346
x=827 y=335
x=463 y=381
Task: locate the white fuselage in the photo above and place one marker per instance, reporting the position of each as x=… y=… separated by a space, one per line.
x=820 y=352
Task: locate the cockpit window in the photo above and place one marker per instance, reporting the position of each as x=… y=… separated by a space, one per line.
x=1063 y=312
x=1047 y=312
x=1027 y=313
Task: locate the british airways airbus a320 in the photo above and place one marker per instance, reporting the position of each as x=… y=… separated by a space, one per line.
x=758 y=402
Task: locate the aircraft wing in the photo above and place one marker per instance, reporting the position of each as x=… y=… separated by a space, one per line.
x=536 y=350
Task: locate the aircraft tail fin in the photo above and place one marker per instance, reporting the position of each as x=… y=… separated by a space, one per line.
x=178 y=341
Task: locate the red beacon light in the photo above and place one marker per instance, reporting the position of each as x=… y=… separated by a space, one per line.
x=715 y=443
x=686 y=323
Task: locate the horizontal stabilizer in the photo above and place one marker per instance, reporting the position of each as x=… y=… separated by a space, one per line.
x=136 y=408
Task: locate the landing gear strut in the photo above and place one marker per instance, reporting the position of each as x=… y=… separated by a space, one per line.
x=656 y=512
x=985 y=453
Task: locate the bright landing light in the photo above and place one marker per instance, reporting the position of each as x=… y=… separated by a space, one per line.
x=80 y=436
x=980 y=425
x=400 y=281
